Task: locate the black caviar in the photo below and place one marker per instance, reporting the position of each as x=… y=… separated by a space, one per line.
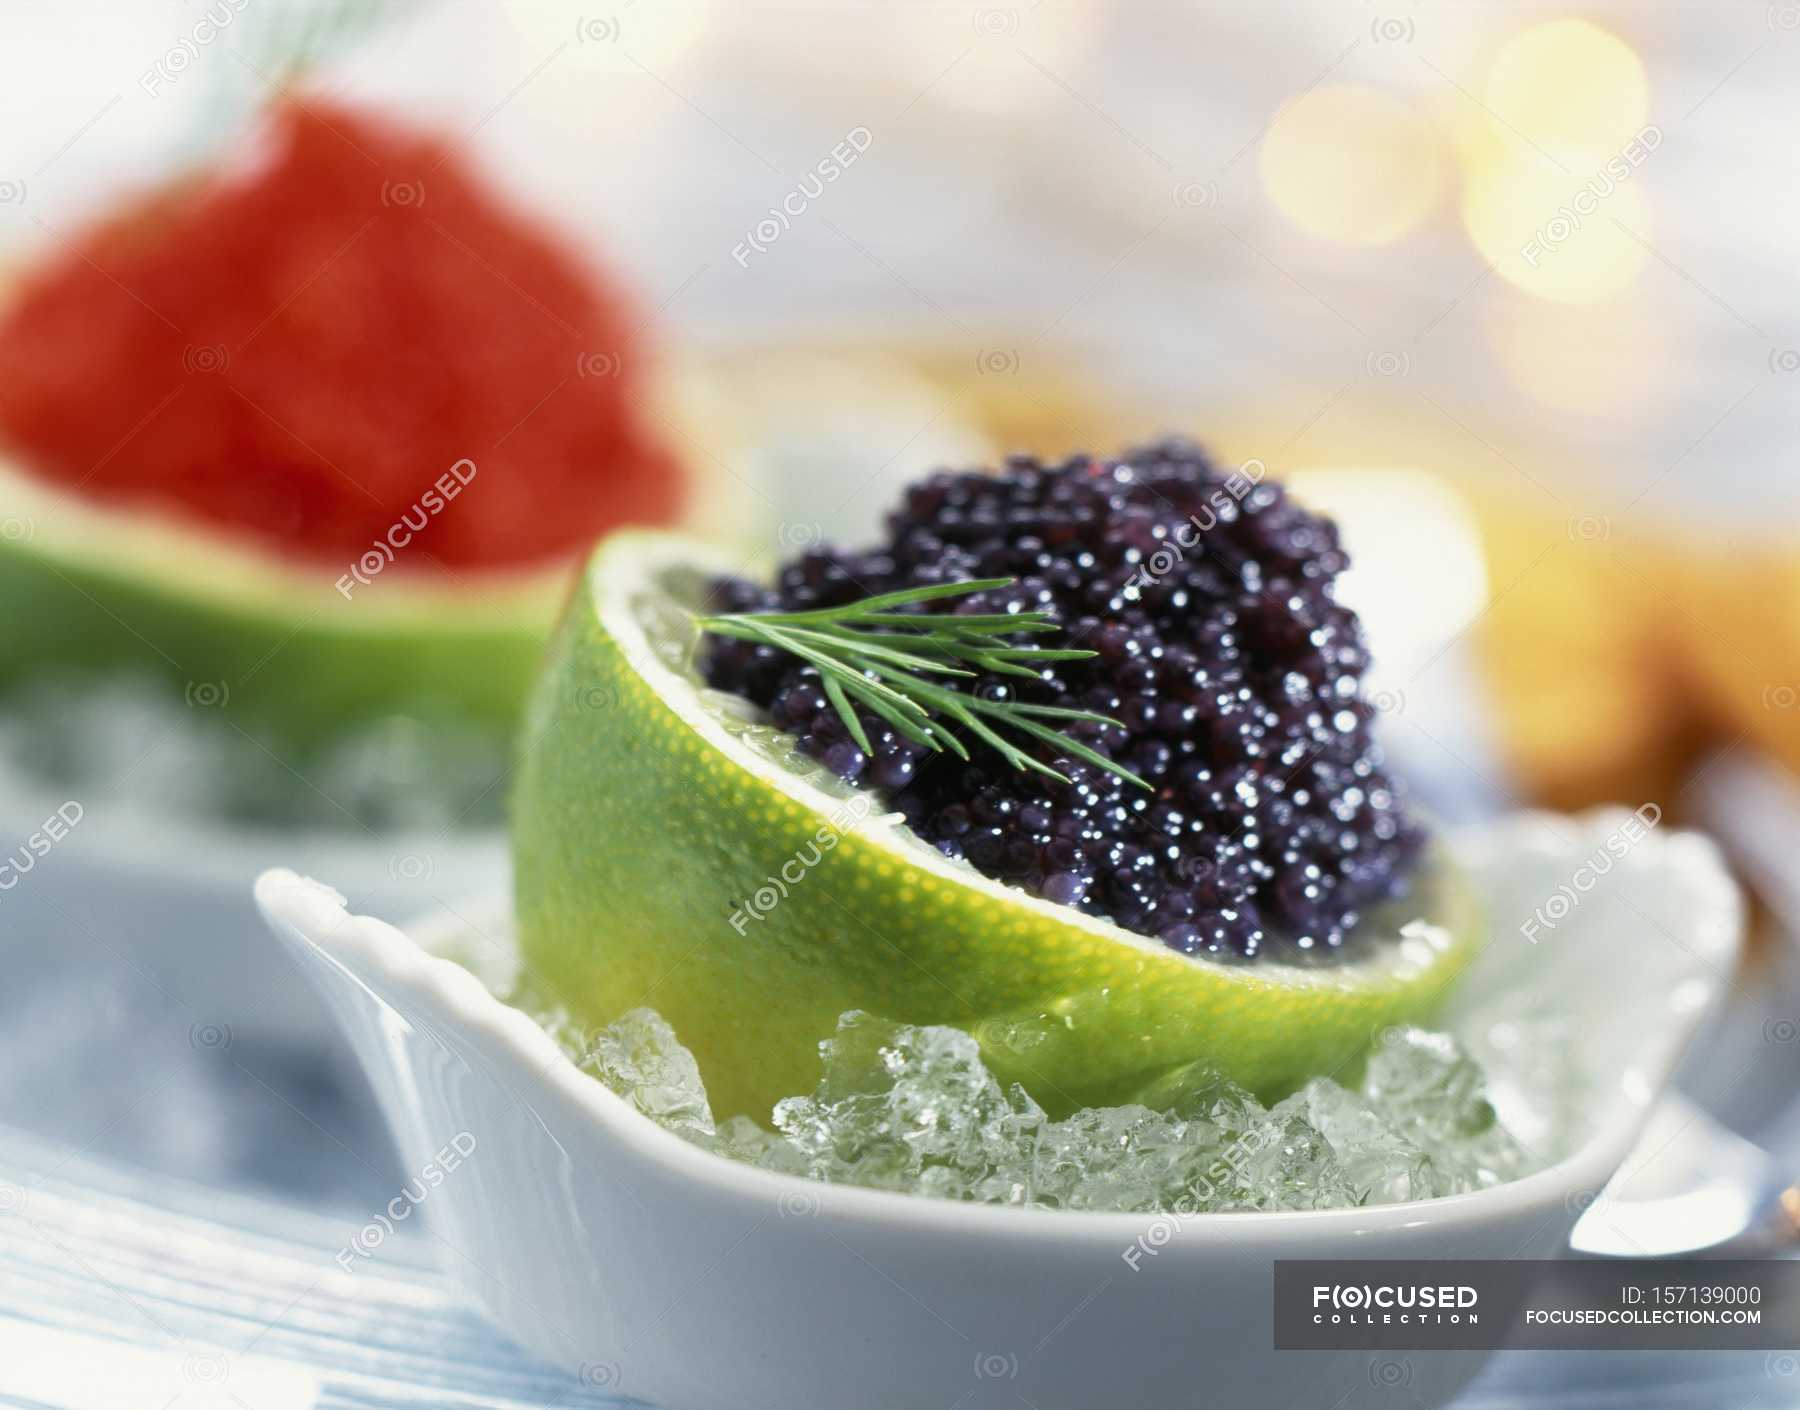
x=1233 y=672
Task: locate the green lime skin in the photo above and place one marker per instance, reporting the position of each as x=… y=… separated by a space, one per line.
x=659 y=861
x=281 y=653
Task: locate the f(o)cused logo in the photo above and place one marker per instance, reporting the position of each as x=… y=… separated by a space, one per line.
x=1389 y=702
x=599 y=1375
x=208 y=695
x=410 y=866
x=205 y=1370
x=1390 y=1375
x=797 y=1205
x=205 y=357
x=1197 y=195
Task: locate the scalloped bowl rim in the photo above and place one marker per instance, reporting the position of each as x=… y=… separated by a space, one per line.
x=364 y=946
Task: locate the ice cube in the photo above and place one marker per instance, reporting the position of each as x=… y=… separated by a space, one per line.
x=1283 y=1162
x=1434 y=1094
x=740 y=1138
x=896 y=1101
x=1380 y=1164
x=914 y=1108
x=640 y=1058
x=1427 y=1086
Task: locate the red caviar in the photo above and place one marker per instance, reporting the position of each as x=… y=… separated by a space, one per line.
x=294 y=347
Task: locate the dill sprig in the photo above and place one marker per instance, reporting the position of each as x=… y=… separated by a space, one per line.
x=877 y=654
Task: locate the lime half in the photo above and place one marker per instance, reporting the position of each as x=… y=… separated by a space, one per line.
x=673 y=851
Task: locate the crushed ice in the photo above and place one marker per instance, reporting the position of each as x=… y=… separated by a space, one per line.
x=132 y=741
x=914 y=1109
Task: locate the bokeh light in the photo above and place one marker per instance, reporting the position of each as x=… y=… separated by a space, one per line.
x=1551 y=191
x=1352 y=164
x=1524 y=214
x=1569 y=86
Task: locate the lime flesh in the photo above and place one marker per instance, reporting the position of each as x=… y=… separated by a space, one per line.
x=671 y=854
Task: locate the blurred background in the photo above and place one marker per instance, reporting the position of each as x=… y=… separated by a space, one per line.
x=1510 y=288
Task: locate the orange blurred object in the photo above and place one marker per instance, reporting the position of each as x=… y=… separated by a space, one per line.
x=1581 y=650
x=1740 y=631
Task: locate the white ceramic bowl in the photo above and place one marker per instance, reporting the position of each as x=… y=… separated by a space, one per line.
x=653 y=1268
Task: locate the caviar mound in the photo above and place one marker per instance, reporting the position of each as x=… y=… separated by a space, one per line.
x=672 y=850
x=294 y=345
x=315 y=438
x=1234 y=674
